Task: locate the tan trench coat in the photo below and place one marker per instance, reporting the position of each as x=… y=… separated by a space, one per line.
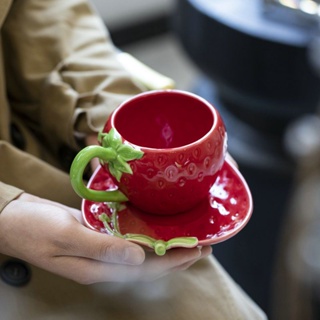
x=59 y=80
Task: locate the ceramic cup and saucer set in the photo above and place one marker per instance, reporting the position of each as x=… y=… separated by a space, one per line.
x=164 y=180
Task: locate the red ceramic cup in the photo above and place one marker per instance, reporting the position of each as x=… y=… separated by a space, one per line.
x=162 y=148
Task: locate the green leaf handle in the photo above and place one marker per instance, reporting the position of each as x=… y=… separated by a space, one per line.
x=78 y=166
x=112 y=152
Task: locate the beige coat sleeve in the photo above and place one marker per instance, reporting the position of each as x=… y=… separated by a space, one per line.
x=63 y=77
x=62 y=71
x=7 y=194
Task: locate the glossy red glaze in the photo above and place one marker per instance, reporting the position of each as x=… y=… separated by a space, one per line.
x=184 y=143
x=225 y=211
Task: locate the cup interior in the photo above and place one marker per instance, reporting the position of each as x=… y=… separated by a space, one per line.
x=164 y=119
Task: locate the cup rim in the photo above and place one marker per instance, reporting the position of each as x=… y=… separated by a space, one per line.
x=154 y=92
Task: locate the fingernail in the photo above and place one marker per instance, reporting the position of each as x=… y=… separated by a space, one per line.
x=133 y=255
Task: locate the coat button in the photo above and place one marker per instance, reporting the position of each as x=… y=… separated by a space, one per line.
x=15 y=272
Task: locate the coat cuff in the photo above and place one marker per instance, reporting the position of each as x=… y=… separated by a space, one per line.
x=7 y=194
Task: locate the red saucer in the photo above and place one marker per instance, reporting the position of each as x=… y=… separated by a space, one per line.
x=222 y=215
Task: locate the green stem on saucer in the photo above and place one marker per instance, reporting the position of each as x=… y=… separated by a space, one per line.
x=160 y=246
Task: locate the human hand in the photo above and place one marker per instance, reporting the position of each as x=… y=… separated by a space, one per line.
x=51 y=236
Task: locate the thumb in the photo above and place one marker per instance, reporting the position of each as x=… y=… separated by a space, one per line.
x=102 y=247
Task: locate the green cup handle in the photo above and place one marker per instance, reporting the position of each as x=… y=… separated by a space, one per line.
x=78 y=166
